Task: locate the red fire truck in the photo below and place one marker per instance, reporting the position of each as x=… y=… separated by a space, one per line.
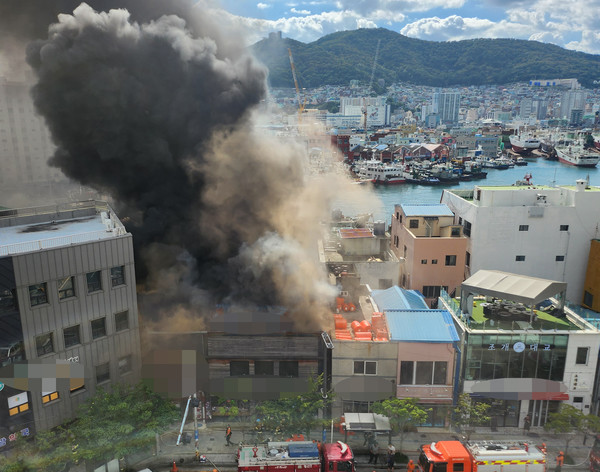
x=481 y=456
x=296 y=456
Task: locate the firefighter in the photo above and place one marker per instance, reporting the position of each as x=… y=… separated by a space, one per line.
x=560 y=460
x=543 y=448
x=410 y=467
x=228 y=435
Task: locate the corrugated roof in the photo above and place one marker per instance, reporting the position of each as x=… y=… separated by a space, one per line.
x=347 y=233
x=396 y=298
x=432 y=209
x=426 y=326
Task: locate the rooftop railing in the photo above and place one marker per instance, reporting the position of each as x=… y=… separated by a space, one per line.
x=49 y=209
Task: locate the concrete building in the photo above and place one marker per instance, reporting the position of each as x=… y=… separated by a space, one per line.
x=68 y=293
x=533 y=230
x=572 y=100
x=432 y=246
x=446 y=105
x=523 y=352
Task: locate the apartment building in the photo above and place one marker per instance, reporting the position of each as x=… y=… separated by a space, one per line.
x=67 y=293
x=432 y=246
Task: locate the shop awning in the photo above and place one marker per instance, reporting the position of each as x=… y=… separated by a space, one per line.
x=521 y=389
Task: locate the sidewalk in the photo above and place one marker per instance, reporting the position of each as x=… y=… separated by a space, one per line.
x=212 y=444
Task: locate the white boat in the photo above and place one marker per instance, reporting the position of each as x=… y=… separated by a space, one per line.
x=524 y=144
x=378 y=173
x=577 y=155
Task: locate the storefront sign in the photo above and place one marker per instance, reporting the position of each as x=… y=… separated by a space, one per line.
x=520 y=347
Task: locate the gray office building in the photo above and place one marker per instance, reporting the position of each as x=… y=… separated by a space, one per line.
x=67 y=296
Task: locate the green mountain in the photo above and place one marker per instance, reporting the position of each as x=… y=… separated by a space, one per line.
x=337 y=58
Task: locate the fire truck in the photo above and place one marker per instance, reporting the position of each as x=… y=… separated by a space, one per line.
x=296 y=456
x=481 y=456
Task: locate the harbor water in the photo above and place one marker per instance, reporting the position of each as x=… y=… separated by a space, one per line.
x=543 y=172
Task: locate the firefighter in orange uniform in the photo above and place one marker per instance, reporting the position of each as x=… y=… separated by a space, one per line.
x=560 y=460
x=410 y=467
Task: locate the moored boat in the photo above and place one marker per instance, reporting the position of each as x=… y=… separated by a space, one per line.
x=577 y=155
x=523 y=144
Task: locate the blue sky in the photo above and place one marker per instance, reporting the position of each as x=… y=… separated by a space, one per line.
x=572 y=24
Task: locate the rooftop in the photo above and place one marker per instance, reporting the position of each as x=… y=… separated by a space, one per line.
x=433 y=209
x=430 y=326
x=32 y=229
x=396 y=298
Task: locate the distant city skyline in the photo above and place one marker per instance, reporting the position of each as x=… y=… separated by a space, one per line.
x=571 y=24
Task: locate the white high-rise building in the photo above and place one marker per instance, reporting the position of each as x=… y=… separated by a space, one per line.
x=571 y=100
x=447 y=105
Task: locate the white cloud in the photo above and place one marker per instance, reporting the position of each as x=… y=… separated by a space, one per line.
x=393 y=7
x=262 y=6
x=300 y=12
x=454 y=28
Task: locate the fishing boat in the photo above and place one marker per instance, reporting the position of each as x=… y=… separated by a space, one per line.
x=577 y=155
x=385 y=174
x=524 y=144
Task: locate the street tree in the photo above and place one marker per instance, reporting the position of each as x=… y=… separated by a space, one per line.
x=568 y=420
x=118 y=422
x=403 y=414
x=468 y=414
x=294 y=414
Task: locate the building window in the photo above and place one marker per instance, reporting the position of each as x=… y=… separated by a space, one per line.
x=423 y=261
x=523 y=227
x=94 y=281
x=520 y=258
x=264 y=368
x=467 y=228
x=38 y=294
x=468 y=259
x=434 y=261
x=450 y=260
x=405 y=251
x=49 y=397
x=237 y=368
x=66 y=288
x=117 y=276
x=124 y=365
x=582 y=355
x=44 y=344
x=455 y=232
x=77 y=385
x=102 y=373
x=423 y=372
x=560 y=258
x=98 y=328
x=588 y=299
x=433 y=291
x=71 y=336
x=564 y=227
x=365 y=367
x=413 y=223
x=398 y=216
x=18 y=403
x=121 y=321
x=288 y=368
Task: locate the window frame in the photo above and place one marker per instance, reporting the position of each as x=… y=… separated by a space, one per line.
x=42 y=299
x=261 y=364
x=37 y=344
x=520 y=258
x=563 y=228
x=63 y=294
x=105 y=365
x=559 y=259
x=363 y=366
x=450 y=260
x=78 y=327
x=118 y=327
x=242 y=365
x=292 y=369
x=129 y=364
x=50 y=397
x=117 y=280
x=91 y=287
x=587 y=355
x=413 y=224
x=103 y=319
x=523 y=227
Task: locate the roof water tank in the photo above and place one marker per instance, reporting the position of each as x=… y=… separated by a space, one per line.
x=379 y=228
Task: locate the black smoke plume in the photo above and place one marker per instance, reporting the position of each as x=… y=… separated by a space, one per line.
x=155 y=111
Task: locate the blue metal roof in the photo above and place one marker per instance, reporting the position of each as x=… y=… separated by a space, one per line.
x=429 y=326
x=432 y=209
x=396 y=298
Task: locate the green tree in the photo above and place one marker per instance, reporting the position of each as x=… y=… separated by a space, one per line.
x=467 y=414
x=295 y=414
x=119 y=422
x=403 y=413
x=568 y=421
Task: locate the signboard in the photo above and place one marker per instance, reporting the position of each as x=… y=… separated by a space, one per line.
x=17 y=400
x=1 y=386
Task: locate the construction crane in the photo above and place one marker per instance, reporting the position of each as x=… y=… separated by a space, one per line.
x=301 y=104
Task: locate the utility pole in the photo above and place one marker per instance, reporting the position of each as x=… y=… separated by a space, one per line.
x=187 y=408
x=195 y=402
